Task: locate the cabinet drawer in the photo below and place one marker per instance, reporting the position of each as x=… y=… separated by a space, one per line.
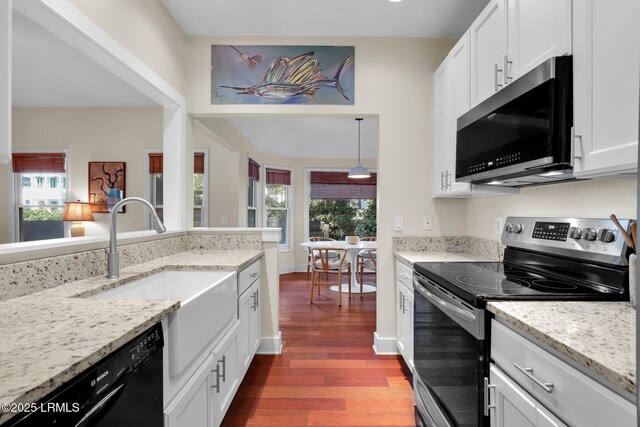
x=574 y=396
x=247 y=276
x=404 y=274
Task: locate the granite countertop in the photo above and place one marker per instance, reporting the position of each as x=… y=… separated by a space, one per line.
x=411 y=257
x=600 y=336
x=49 y=337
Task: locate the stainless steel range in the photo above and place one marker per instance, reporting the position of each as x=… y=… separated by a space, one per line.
x=544 y=259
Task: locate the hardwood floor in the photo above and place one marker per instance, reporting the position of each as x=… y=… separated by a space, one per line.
x=328 y=373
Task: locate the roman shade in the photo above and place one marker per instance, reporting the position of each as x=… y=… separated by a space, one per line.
x=338 y=186
x=39 y=162
x=278 y=176
x=155 y=162
x=254 y=170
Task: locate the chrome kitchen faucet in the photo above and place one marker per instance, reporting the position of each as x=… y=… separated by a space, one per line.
x=113 y=263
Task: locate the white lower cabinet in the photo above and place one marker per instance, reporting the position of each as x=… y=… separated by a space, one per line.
x=204 y=400
x=192 y=406
x=529 y=386
x=404 y=312
x=515 y=407
x=226 y=375
x=249 y=334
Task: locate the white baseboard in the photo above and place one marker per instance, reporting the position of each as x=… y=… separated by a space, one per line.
x=271 y=345
x=285 y=269
x=384 y=345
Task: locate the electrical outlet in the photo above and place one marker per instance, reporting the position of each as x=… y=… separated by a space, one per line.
x=224 y=220
x=398 y=223
x=499 y=226
x=428 y=222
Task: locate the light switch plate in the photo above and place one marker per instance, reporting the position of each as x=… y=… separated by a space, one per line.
x=398 y=223
x=499 y=227
x=428 y=222
x=224 y=220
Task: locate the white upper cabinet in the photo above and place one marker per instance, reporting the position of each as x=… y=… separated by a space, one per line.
x=511 y=37
x=606 y=70
x=441 y=128
x=537 y=30
x=488 y=36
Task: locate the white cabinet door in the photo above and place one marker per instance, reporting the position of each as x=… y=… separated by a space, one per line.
x=606 y=69
x=537 y=31
x=225 y=373
x=400 y=323
x=254 y=323
x=488 y=36
x=460 y=101
x=193 y=406
x=249 y=328
x=408 y=328
x=516 y=407
x=441 y=128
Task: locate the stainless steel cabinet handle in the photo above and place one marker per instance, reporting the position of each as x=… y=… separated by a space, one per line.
x=448 y=181
x=217 y=384
x=404 y=300
x=496 y=70
x=404 y=276
x=257 y=298
x=506 y=69
x=577 y=153
x=442 y=180
x=253 y=275
x=400 y=300
x=528 y=372
x=487 y=405
x=224 y=368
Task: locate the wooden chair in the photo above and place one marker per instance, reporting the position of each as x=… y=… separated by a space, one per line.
x=324 y=263
x=369 y=265
x=333 y=254
x=362 y=256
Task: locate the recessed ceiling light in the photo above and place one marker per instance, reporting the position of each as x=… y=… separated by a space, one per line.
x=495 y=183
x=395 y=1
x=552 y=173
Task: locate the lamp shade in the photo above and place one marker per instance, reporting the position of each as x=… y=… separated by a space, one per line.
x=359 y=171
x=77 y=211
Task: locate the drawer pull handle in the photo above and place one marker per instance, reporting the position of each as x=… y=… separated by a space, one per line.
x=253 y=275
x=528 y=372
x=404 y=276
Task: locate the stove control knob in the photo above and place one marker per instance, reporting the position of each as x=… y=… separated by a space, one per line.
x=508 y=227
x=590 y=233
x=517 y=228
x=606 y=235
x=575 y=233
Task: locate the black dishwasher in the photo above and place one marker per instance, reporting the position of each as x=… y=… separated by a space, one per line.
x=123 y=389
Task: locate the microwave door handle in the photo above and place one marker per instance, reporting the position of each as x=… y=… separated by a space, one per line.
x=444 y=305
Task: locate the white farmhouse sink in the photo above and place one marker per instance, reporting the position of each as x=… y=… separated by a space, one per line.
x=208 y=304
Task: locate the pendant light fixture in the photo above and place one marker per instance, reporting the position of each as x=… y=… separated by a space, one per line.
x=359 y=171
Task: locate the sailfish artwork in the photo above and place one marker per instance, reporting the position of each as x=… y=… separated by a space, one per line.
x=291 y=78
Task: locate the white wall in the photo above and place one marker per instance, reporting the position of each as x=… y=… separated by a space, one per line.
x=393 y=81
x=146 y=29
x=90 y=134
x=596 y=198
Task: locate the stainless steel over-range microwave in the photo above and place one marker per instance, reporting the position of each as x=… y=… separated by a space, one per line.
x=521 y=135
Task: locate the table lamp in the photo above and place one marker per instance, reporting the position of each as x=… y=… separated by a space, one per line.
x=77 y=212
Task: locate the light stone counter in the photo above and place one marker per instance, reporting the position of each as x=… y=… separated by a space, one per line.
x=47 y=338
x=599 y=336
x=411 y=257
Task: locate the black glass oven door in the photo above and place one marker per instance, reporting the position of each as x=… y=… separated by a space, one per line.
x=448 y=358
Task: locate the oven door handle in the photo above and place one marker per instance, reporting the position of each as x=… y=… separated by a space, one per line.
x=445 y=306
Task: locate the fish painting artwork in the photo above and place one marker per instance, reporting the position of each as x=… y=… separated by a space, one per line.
x=282 y=75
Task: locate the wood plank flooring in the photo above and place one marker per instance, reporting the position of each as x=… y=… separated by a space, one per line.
x=328 y=373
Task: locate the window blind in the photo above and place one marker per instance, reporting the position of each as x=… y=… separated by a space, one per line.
x=155 y=163
x=338 y=186
x=254 y=170
x=278 y=176
x=39 y=162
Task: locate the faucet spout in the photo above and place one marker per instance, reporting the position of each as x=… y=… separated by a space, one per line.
x=113 y=263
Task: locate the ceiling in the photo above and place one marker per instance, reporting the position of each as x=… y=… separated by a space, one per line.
x=368 y=18
x=47 y=72
x=310 y=137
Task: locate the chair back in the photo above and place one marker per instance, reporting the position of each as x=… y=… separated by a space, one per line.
x=373 y=254
x=368 y=239
x=323 y=257
x=321 y=239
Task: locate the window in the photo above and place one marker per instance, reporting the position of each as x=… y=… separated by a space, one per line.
x=277 y=201
x=53 y=181
x=156 y=196
x=252 y=193
x=341 y=206
x=38 y=209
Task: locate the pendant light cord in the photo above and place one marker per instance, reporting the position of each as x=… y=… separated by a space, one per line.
x=359 y=119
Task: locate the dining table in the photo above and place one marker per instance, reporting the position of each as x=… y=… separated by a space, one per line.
x=352 y=250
